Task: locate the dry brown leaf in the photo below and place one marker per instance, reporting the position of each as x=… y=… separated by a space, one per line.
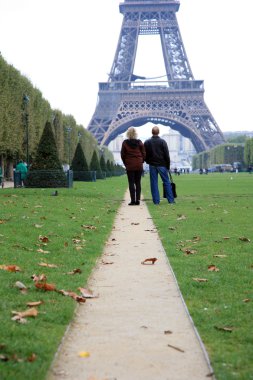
x=189 y=251
x=66 y=244
x=10 y=268
x=135 y=224
x=181 y=217
x=20 y=286
x=34 y=304
x=87 y=293
x=44 y=239
x=196 y=238
x=39 y=278
x=220 y=256
x=32 y=358
x=73 y=295
x=167 y=332
x=75 y=271
x=48 y=265
x=172 y=228
x=33 y=312
x=200 y=279
x=150 y=261
x=88 y=227
x=225 y=328
x=213 y=268
x=18 y=319
x=45 y=286
x=226 y=237
x=246 y=300
x=42 y=251
x=107 y=262
x=243 y=238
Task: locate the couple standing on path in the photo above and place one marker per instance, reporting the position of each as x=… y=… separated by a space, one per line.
x=156 y=153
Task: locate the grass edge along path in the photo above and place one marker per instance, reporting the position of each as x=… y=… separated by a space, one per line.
x=208 y=237
x=67 y=233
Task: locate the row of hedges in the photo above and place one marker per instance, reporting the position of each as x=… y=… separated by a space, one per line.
x=221 y=154
x=21 y=102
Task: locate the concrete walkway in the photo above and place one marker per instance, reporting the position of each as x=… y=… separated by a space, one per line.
x=138 y=328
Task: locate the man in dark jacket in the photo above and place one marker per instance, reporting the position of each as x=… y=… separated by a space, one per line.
x=158 y=158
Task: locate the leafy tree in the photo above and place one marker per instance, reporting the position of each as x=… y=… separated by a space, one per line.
x=95 y=165
x=46 y=169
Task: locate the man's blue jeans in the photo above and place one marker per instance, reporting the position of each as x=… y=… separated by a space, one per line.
x=163 y=172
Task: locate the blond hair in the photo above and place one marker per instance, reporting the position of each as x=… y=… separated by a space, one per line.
x=131 y=133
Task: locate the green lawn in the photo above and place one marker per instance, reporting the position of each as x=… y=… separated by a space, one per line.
x=212 y=213
x=76 y=224
x=214 y=216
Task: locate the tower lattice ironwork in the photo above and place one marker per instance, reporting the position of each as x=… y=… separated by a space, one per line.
x=130 y=100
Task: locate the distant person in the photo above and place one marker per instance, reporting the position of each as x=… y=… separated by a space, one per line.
x=133 y=156
x=22 y=169
x=158 y=158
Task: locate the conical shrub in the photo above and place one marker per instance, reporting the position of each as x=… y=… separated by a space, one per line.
x=46 y=169
x=79 y=164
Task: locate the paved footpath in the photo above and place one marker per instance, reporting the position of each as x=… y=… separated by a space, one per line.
x=138 y=328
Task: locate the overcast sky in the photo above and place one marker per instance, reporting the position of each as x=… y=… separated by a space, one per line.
x=65 y=47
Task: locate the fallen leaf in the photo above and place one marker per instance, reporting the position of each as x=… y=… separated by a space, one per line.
x=34 y=304
x=84 y=354
x=75 y=271
x=225 y=328
x=73 y=295
x=196 y=238
x=4 y=358
x=150 y=261
x=32 y=358
x=166 y=332
x=88 y=227
x=44 y=239
x=220 y=256
x=181 y=217
x=189 y=251
x=20 y=286
x=18 y=319
x=226 y=237
x=172 y=228
x=200 y=279
x=48 y=265
x=10 y=268
x=66 y=244
x=45 y=286
x=42 y=251
x=135 y=224
x=38 y=225
x=107 y=262
x=87 y=293
x=246 y=300
x=213 y=268
x=243 y=238
x=39 y=278
x=33 y=312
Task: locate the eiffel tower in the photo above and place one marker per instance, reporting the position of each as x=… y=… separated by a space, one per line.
x=128 y=100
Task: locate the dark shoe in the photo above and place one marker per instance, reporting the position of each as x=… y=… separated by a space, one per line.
x=137 y=203
x=131 y=204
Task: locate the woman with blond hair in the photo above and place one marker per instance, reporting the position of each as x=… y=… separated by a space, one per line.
x=133 y=155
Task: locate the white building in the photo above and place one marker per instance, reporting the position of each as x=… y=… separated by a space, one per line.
x=181 y=149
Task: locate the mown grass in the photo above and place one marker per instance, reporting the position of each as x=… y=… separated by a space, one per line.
x=218 y=209
x=25 y=214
